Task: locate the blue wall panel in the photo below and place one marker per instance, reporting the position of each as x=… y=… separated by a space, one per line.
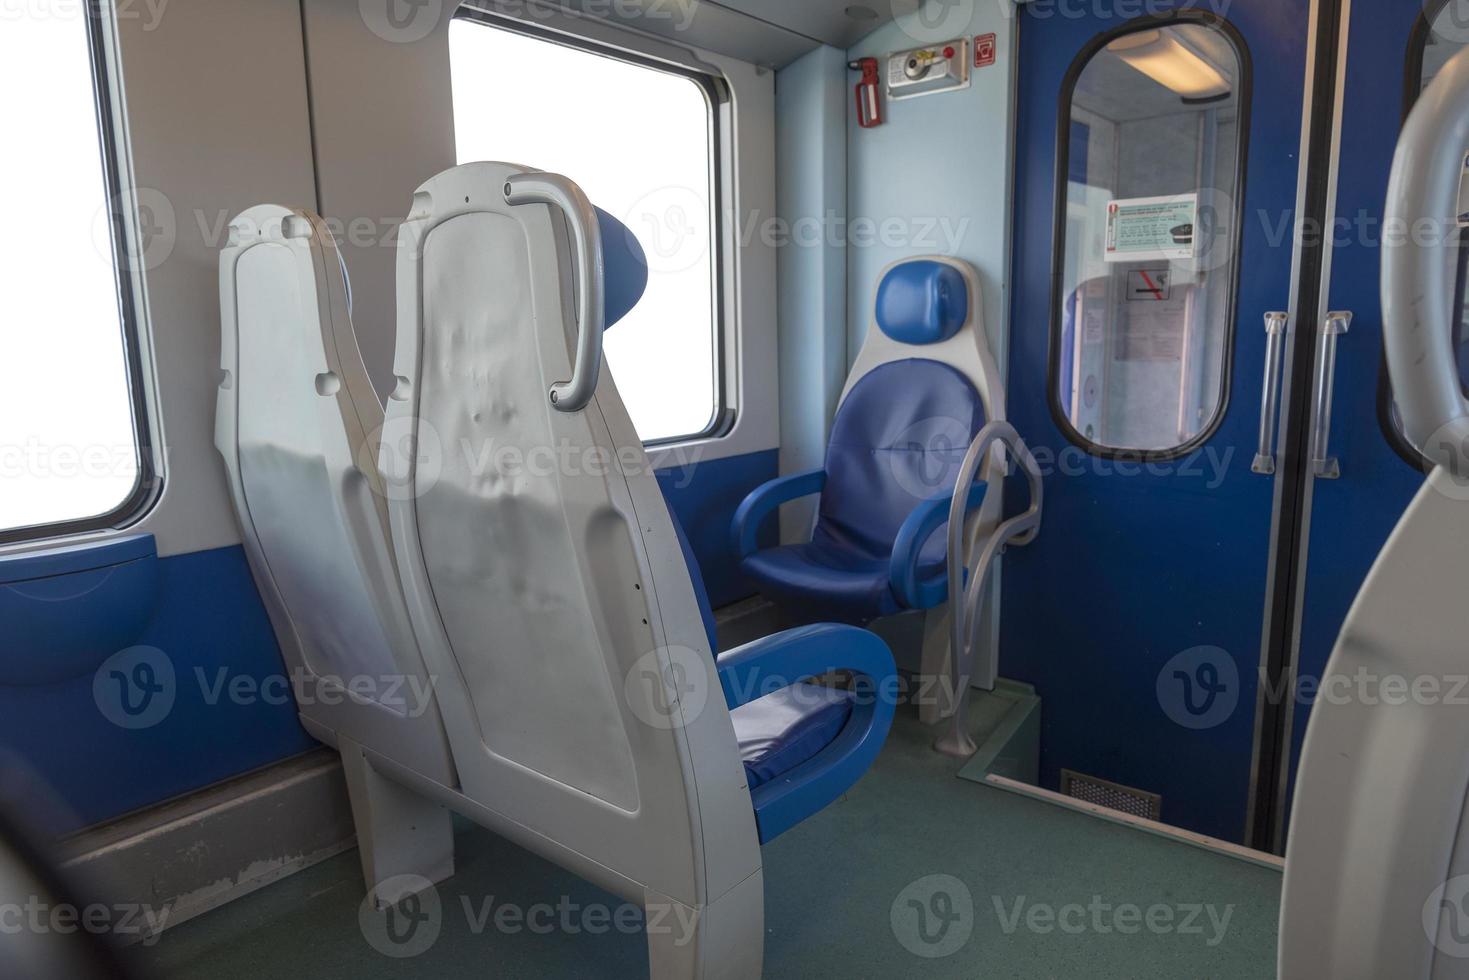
x=704 y=496
x=201 y=693
x=210 y=649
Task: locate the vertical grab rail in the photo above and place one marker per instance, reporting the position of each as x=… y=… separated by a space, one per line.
x=1418 y=279
x=965 y=615
x=562 y=192
x=1324 y=465
x=1270 y=392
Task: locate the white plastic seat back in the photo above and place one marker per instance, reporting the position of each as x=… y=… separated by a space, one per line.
x=295 y=424
x=544 y=576
x=1377 y=862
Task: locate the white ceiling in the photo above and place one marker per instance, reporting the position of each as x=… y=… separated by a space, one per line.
x=827 y=21
x=764 y=32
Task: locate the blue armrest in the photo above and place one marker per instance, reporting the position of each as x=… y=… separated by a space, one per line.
x=785 y=659
x=766 y=498
x=912 y=536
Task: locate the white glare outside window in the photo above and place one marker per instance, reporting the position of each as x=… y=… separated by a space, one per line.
x=69 y=453
x=638 y=141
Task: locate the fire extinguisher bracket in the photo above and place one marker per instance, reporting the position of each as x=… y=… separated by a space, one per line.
x=869 y=101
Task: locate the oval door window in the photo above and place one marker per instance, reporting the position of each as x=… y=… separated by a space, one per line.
x=1147 y=235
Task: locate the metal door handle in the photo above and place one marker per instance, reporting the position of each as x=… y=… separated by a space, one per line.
x=1337 y=323
x=1270 y=392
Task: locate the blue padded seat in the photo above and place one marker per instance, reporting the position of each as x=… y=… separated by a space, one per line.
x=782 y=730
x=830 y=584
x=899 y=438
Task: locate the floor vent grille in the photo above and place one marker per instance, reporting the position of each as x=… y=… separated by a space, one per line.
x=1113 y=796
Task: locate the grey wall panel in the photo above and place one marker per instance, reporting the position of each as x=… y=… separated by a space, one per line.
x=383 y=115
x=811 y=107
x=213 y=94
x=908 y=196
x=826 y=21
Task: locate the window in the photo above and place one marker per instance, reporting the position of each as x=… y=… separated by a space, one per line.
x=640 y=140
x=1147 y=233
x=1442 y=32
x=70 y=422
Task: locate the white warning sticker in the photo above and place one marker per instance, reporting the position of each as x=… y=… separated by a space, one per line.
x=1144 y=229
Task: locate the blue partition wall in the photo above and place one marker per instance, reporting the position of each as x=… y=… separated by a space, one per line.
x=704 y=497
x=127 y=679
x=176 y=684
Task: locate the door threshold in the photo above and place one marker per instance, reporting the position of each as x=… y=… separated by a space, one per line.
x=1213 y=844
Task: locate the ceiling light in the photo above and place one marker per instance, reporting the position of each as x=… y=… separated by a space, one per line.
x=1167 y=61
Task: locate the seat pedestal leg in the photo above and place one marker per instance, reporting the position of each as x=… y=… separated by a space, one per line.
x=403 y=839
x=935 y=690
x=725 y=940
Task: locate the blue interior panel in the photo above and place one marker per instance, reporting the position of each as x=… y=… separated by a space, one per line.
x=704 y=496
x=66 y=609
x=1138 y=567
x=202 y=672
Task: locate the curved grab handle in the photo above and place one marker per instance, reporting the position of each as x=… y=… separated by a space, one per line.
x=554 y=189
x=964 y=616
x=1417 y=279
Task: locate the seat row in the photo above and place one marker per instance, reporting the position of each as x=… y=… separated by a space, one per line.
x=527 y=646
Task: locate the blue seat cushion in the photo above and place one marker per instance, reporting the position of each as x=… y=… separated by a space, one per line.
x=899 y=438
x=782 y=730
x=922 y=302
x=696 y=577
x=818 y=583
x=624 y=268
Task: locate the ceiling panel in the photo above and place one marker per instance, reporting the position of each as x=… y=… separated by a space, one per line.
x=840 y=23
x=764 y=32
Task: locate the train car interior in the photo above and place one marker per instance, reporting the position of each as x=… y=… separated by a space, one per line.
x=720 y=489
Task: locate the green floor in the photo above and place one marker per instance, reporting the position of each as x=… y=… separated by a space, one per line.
x=1051 y=893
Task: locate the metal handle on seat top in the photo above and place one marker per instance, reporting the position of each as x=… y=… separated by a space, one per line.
x=1420 y=270
x=563 y=193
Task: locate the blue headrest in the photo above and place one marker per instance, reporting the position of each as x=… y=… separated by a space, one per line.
x=625 y=269
x=922 y=302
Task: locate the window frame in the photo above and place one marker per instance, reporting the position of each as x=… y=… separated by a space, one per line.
x=1412 y=90
x=149 y=484
x=717 y=99
x=1058 y=232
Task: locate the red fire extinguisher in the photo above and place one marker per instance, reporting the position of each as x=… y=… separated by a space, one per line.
x=869 y=105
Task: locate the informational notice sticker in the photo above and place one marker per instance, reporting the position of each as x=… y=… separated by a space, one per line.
x=1143 y=229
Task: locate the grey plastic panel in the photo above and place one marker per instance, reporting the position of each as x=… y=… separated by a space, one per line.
x=482 y=393
x=292 y=503
x=1377 y=861
x=546 y=584
x=1419 y=269
x=295 y=421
